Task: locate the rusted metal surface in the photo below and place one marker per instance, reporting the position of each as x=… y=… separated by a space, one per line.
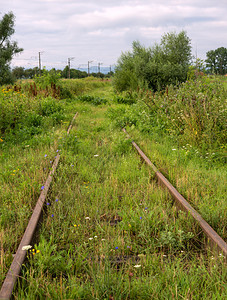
x=14 y=270
x=215 y=240
x=71 y=124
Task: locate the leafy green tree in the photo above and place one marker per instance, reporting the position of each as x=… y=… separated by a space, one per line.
x=30 y=73
x=125 y=77
x=154 y=67
x=176 y=49
x=216 y=61
x=18 y=73
x=7 y=48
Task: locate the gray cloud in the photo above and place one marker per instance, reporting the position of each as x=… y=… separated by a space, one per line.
x=101 y=30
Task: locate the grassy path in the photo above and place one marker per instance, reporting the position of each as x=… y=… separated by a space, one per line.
x=109 y=232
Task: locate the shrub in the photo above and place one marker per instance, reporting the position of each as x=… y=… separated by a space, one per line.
x=92 y=99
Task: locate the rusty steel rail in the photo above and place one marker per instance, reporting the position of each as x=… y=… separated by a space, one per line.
x=14 y=270
x=215 y=240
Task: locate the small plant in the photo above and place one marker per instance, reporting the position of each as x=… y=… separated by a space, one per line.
x=92 y=99
x=47 y=79
x=172 y=239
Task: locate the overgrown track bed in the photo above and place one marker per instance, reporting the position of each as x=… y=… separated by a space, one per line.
x=215 y=240
x=15 y=268
x=109 y=232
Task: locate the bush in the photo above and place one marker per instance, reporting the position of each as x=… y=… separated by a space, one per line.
x=156 y=67
x=194 y=113
x=92 y=99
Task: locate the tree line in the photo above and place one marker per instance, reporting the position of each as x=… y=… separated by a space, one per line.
x=153 y=67
x=22 y=73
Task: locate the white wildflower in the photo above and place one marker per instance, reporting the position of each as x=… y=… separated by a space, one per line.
x=24 y=248
x=87 y=218
x=137 y=266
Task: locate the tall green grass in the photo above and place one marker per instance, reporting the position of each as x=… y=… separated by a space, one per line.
x=193 y=113
x=114 y=232
x=108 y=231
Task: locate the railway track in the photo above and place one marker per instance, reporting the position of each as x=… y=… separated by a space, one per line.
x=15 y=268
x=215 y=241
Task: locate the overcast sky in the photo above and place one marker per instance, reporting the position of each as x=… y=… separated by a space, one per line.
x=99 y=30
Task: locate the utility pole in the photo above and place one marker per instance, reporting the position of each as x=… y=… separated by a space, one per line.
x=39 y=63
x=99 y=67
x=69 y=60
x=88 y=66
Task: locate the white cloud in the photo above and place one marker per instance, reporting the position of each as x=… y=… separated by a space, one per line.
x=101 y=30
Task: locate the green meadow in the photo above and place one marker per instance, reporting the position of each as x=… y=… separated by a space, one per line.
x=108 y=231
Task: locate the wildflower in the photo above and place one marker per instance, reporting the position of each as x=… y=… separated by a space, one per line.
x=1 y=140
x=24 y=248
x=52 y=215
x=48 y=203
x=90 y=239
x=95 y=236
x=103 y=239
x=141 y=255
x=57 y=151
x=140 y=218
x=137 y=266
x=96 y=155
x=128 y=247
x=174 y=149
x=72 y=165
x=42 y=187
x=87 y=218
x=146 y=207
x=56 y=200
x=37 y=251
x=51 y=162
